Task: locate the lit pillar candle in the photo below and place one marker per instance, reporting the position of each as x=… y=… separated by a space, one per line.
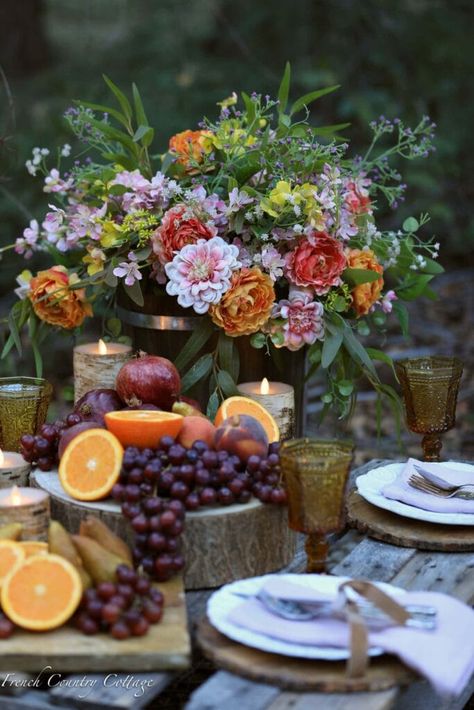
x=278 y=398
x=27 y=506
x=14 y=469
x=96 y=365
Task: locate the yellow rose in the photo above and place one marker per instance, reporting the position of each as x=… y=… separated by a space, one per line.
x=365 y=295
x=246 y=306
x=53 y=300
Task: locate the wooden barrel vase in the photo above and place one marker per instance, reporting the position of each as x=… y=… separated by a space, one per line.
x=162 y=327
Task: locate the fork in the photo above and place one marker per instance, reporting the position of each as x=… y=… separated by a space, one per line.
x=465 y=491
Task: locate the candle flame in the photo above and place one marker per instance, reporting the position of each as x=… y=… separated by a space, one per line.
x=15 y=496
x=2 y=458
x=264 y=386
x=102 y=347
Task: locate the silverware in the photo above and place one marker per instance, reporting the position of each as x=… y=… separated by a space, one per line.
x=466 y=491
x=421 y=616
x=434 y=479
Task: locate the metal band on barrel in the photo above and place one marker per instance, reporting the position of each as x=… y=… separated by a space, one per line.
x=146 y=320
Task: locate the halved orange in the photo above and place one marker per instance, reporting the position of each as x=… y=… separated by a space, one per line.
x=34 y=547
x=42 y=593
x=143 y=427
x=90 y=465
x=11 y=555
x=245 y=405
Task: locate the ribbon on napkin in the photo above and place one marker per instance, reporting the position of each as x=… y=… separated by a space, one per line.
x=358 y=661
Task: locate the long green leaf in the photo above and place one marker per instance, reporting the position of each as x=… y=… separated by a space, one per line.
x=332 y=342
x=415 y=287
x=199 y=371
x=139 y=108
x=114 y=134
x=355 y=277
x=119 y=95
x=226 y=353
x=357 y=351
x=135 y=293
x=106 y=109
x=226 y=383
x=212 y=406
x=375 y=354
x=197 y=341
x=402 y=314
x=310 y=97
x=15 y=333
x=284 y=89
x=144 y=134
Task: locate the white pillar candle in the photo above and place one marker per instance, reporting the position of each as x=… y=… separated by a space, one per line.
x=278 y=398
x=96 y=365
x=28 y=506
x=14 y=469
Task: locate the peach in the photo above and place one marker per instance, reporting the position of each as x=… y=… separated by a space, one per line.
x=242 y=435
x=194 y=428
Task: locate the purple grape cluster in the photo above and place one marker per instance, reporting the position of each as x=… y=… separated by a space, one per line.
x=124 y=609
x=41 y=449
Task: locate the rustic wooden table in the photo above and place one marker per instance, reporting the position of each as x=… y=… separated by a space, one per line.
x=352 y=555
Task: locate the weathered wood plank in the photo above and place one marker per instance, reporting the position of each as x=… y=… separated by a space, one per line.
x=374 y=560
x=228 y=691
x=338 y=701
x=451 y=573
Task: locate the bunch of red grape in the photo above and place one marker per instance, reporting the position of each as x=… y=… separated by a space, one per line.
x=41 y=449
x=124 y=609
x=7 y=627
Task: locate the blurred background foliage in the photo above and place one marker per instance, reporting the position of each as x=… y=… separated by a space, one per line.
x=403 y=58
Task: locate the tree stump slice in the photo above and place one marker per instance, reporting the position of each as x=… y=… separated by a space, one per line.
x=298 y=674
x=407 y=532
x=219 y=545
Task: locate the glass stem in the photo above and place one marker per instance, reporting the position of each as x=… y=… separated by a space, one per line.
x=317 y=552
x=432 y=446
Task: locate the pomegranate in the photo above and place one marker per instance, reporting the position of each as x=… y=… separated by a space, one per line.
x=69 y=434
x=94 y=404
x=151 y=379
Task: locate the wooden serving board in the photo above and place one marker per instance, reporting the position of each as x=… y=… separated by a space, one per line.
x=165 y=647
x=219 y=544
x=406 y=532
x=298 y=674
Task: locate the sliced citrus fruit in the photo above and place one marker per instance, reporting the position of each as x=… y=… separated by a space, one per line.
x=90 y=465
x=42 y=592
x=143 y=427
x=34 y=547
x=11 y=554
x=245 y=405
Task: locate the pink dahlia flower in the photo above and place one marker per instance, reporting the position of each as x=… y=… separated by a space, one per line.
x=299 y=319
x=200 y=273
x=318 y=261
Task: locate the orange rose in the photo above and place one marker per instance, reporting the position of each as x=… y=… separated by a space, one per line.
x=189 y=146
x=54 y=302
x=365 y=295
x=246 y=306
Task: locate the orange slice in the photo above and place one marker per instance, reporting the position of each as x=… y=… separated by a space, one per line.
x=90 y=465
x=42 y=593
x=143 y=427
x=11 y=555
x=245 y=405
x=34 y=547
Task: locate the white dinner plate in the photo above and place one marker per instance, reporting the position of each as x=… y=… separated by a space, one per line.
x=371 y=484
x=221 y=603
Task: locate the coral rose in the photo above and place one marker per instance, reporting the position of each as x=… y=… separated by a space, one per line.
x=179 y=227
x=318 y=261
x=247 y=305
x=190 y=147
x=53 y=300
x=365 y=295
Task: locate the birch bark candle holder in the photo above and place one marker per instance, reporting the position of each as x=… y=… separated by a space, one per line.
x=96 y=365
x=29 y=507
x=278 y=398
x=14 y=470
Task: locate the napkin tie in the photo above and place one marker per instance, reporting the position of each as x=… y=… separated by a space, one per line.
x=359 y=659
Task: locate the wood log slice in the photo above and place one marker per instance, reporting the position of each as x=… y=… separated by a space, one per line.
x=298 y=674
x=389 y=527
x=219 y=545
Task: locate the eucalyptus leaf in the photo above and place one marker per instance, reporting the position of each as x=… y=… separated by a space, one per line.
x=415 y=288
x=212 y=406
x=135 y=293
x=226 y=383
x=196 y=342
x=357 y=351
x=401 y=312
x=331 y=345
x=114 y=326
x=198 y=371
x=226 y=349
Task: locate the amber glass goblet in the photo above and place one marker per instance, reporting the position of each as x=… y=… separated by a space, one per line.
x=24 y=404
x=315 y=473
x=430 y=388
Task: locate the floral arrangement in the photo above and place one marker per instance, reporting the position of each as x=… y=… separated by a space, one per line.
x=258 y=221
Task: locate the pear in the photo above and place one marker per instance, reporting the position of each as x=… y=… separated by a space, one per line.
x=60 y=543
x=99 y=562
x=12 y=531
x=186 y=410
x=97 y=530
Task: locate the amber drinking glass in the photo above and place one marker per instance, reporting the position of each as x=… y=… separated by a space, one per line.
x=430 y=388
x=24 y=404
x=315 y=472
